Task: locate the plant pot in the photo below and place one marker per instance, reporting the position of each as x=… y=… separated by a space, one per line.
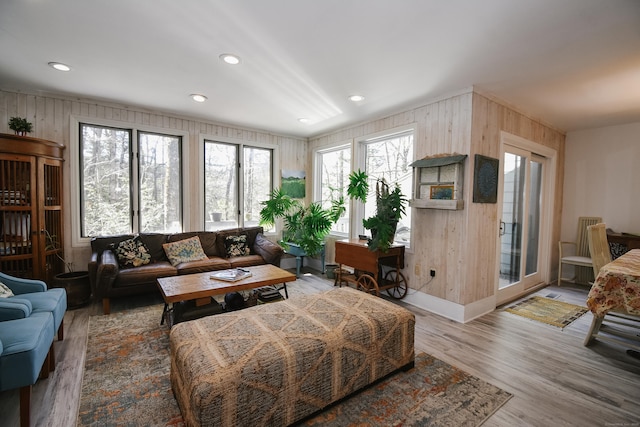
x=331 y=271
x=77 y=285
x=215 y=216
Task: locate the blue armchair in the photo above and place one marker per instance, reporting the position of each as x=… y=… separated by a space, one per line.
x=41 y=299
x=26 y=349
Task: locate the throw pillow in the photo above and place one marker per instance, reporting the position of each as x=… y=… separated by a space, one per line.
x=184 y=250
x=237 y=245
x=132 y=253
x=5 y=292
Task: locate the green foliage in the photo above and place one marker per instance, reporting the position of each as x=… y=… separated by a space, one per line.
x=304 y=226
x=358 y=185
x=20 y=125
x=390 y=207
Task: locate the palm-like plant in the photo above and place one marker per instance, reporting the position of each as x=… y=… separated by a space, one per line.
x=306 y=226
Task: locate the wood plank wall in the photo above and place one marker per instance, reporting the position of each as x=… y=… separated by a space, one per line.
x=490 y=117
x=459 y=245
x=51 y=115
x=438 y=236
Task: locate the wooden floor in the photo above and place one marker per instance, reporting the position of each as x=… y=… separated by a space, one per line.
x=554 y=379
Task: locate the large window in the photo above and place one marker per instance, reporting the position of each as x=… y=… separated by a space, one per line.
x=235 y=175
x=333 y=167
x=389 y=157
x=130 y=181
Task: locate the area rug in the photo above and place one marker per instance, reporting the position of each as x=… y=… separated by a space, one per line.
x=547 y=310
x=126 y=383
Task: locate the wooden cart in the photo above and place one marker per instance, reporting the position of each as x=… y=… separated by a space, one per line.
x=373 y=271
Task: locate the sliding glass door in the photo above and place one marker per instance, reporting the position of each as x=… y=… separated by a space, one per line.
x=521 y=219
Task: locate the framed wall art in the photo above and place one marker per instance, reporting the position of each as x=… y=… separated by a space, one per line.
x=485 y=179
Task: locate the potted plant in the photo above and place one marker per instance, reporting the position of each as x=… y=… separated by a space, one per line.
x=390 y=207
x=304 y=226
x=76 y=283
x=20 y=126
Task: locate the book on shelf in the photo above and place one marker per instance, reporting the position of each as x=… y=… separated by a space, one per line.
x=231 y=275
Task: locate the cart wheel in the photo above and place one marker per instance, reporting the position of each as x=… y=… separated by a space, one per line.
x=368 y=284
x=400 y=289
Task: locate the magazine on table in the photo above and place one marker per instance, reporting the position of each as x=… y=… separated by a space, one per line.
x=231 y=275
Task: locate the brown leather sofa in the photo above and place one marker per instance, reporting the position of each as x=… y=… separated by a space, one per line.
x=109 y=280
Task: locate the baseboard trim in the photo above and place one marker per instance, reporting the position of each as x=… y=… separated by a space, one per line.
x=451 y=310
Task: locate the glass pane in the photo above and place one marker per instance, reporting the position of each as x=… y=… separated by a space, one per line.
x=160 y=183
x=220 y=185
x=512 y=215
x=535 y=177
x=105 y=191
x=335 y=167
x=257 y=182
x=389 y=159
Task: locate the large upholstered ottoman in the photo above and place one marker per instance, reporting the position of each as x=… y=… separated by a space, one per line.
x=277 y=363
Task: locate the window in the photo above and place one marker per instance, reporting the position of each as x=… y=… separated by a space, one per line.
x=333 y=167
x=235 y=175
x=389 y=157
x=119 y=195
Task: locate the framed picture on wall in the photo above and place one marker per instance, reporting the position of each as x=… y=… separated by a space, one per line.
x=485 y=179
x=441 y=192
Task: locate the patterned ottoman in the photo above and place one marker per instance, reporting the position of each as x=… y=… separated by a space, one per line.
x=275 y=364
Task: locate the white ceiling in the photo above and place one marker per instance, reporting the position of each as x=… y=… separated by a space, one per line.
x=573 y=63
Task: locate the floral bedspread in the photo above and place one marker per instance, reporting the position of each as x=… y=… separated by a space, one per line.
x=617 y=286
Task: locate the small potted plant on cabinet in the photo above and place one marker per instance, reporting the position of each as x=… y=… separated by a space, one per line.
x=20 y=126
x=390 y=207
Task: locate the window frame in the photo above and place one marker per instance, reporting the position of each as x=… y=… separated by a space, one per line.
x=317 y=180
x=241 y=144
x=359 y=162
x=77 y=240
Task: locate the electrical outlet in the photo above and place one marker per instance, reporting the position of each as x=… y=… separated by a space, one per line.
x=433 y=272
x=416 y=270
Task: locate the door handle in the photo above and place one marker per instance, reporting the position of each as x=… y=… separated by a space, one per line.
x=502 y=228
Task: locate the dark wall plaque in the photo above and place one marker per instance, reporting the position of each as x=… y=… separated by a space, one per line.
x=485 y=179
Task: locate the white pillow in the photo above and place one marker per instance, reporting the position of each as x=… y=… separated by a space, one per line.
x=5 y=292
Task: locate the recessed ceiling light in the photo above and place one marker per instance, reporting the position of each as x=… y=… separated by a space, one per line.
x=197 y=97
x=230 y=58
x=356 y=98
x=304 y=120
x=59 y=66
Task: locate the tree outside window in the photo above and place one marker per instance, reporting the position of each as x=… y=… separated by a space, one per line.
x=334 y=166
x=235 y=176
x=389 y=157
x=117 y=200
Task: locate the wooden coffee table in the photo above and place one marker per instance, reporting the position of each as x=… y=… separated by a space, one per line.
x=200 y=287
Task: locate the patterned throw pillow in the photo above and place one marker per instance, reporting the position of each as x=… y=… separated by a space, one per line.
x=237 y=246
x=5 y=292
x=132 y=253
x=184 y=250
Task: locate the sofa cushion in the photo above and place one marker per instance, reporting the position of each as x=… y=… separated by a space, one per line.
x=236 y=245
x=154 y=242
x=184 y=250
x=5 y=292
x=145 y=274
x=132 y=253
x=246 y=261
x=207 y=240
x=203 y=265
x=100 y=244
x=252 y=233
x=271 y=252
